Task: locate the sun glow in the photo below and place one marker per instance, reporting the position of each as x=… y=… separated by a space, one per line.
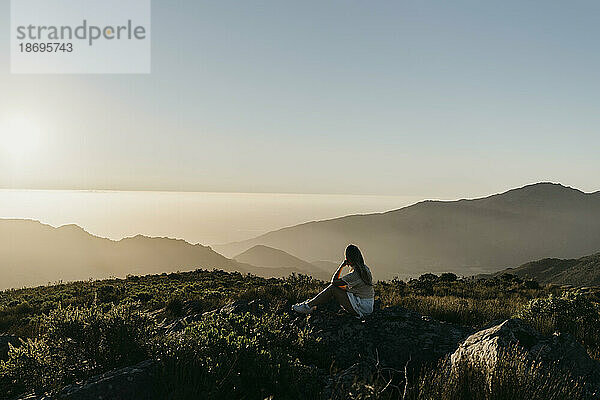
x=19 y=137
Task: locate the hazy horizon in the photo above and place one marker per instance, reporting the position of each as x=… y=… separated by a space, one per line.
x=197 y=217
x=208 y=218
x=496 y=231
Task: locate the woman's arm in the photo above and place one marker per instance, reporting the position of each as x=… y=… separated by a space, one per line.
x=339 y=283
x=338 y=272
x=335 y=279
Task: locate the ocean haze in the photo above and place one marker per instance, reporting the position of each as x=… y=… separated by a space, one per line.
x=206 y=218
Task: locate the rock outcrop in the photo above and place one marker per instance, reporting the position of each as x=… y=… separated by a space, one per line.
x=484 y=348
x=388 y=342
x=133 y=382
x=392 y=336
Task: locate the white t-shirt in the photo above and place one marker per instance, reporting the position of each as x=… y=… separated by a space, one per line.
x=357 y=286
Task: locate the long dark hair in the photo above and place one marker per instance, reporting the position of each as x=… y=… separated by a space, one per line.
x=356 y=260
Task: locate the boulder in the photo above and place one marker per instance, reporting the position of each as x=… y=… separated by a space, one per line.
x=484 y=348
x=133 y=382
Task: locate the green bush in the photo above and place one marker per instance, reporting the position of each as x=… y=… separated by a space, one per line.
x=75 y=343
x=448 y=277
x=28 y=368
x=96 y=339
x=175 y=307
x=234 y=356
x=573 y=312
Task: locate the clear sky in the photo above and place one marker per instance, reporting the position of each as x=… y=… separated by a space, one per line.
x=433 y=98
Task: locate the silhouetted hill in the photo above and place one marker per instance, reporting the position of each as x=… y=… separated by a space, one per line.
x=32 y=253
x=464 y=236
x=584 y=271
x=269 y=257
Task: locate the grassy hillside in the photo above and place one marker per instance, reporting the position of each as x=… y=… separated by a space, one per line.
x=584 y=271
x=464 y=236
x=77 y=330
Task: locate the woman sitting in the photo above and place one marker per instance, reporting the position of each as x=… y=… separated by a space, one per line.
x=353 y=291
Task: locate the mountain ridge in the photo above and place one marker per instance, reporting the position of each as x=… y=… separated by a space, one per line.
x=468 y=236
x=33 y=253
x=583 y=271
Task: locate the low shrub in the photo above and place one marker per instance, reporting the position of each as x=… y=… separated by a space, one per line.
x=572 y=312
x=30 y=367
x=234 y=356
x=75 y=343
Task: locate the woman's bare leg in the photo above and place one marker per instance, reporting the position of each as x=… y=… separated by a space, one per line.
x=333 y=293
x=325 y=296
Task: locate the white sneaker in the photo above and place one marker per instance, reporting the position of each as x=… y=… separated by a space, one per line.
x=302 y=308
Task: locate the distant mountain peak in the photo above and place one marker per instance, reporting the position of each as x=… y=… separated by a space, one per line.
x=266 y=256
x=541 y=191
x=547 y=187
x=72 y=228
